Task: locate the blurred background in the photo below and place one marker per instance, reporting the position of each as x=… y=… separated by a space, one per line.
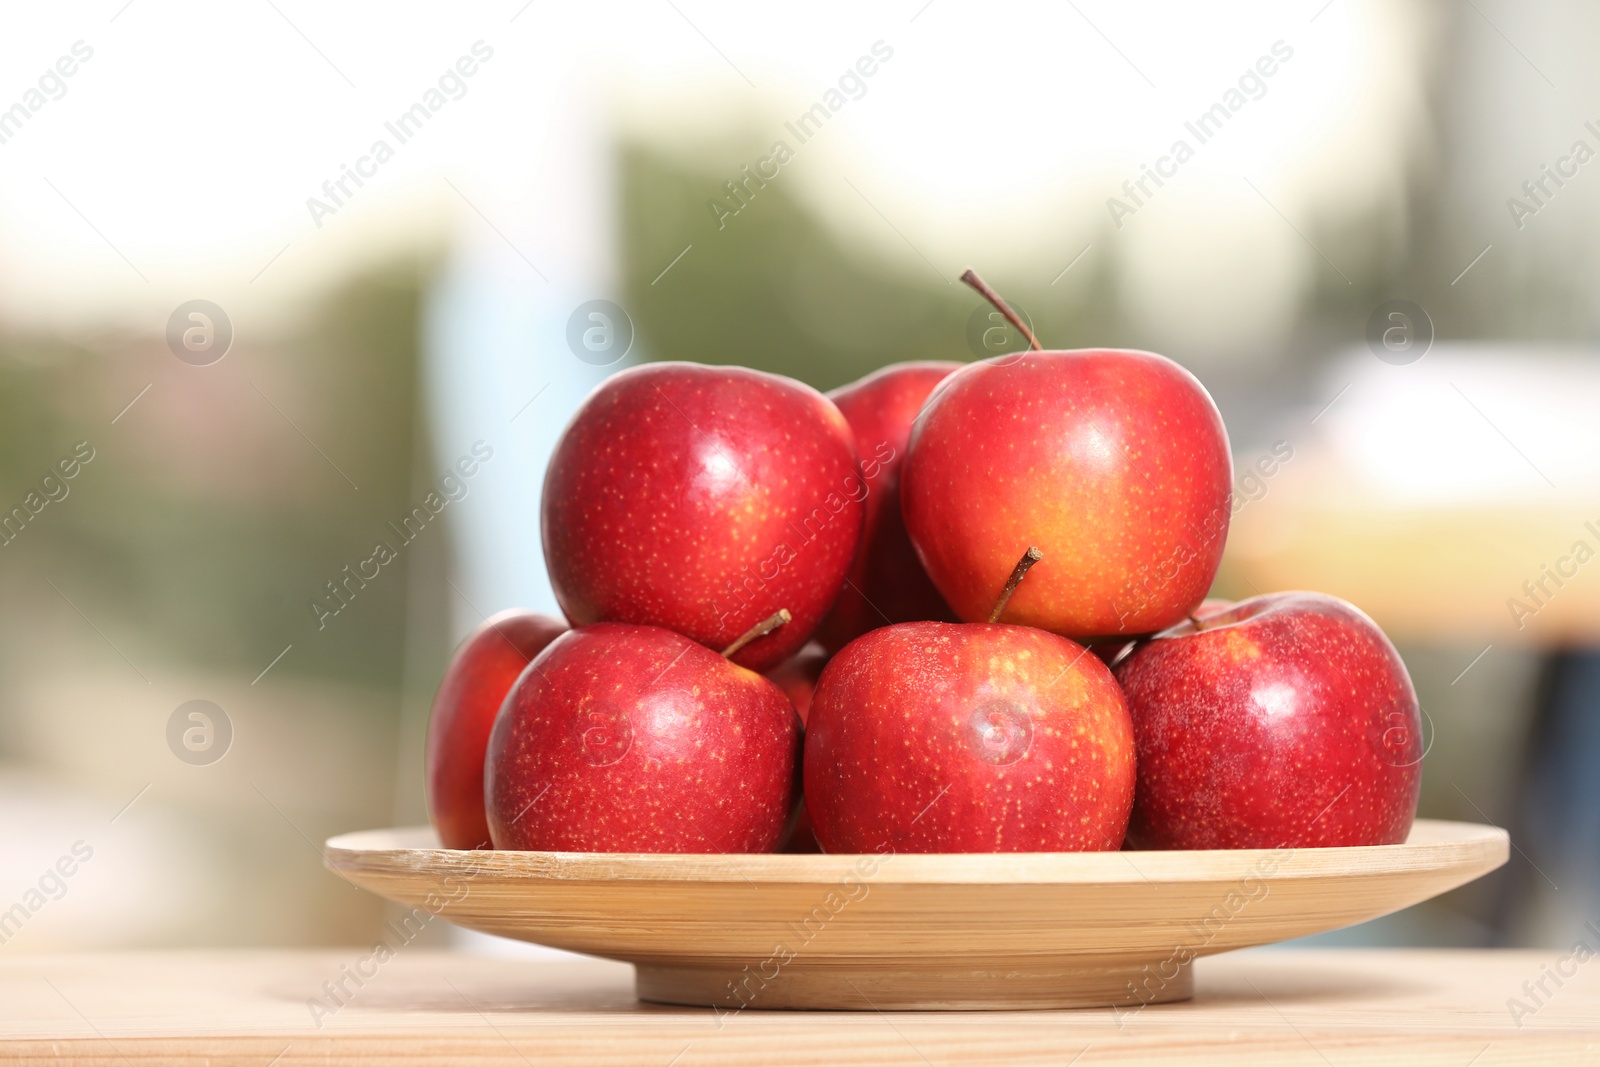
x=267 y=270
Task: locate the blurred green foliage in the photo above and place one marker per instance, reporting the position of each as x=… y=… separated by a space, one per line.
x=775 y=288
x=206 y=521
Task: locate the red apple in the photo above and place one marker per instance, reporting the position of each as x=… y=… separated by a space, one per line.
x=1287 y=720
x=1114 y=462
x=976 y=737
x=476 y=683
x=622 y=738
x=703 y=499
x=887 y=583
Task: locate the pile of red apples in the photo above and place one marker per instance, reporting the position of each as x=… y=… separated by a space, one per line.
x=946 y=608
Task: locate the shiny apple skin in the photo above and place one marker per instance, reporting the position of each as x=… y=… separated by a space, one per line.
x=1289 y=721
x=940 y=737
x=1114 y=462
x=475 y=684
x=704 y=499
x=887 y=583
x=622 y=738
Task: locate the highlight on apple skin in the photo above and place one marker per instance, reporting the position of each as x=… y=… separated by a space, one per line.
x=624 y=738
x=703 y=499
x=968 y=737
x=1287 y=720
x=1114 y=462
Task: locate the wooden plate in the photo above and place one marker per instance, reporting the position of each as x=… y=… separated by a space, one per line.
x=1006 y=931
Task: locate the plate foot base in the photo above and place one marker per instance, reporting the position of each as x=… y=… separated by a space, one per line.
x=870 y=986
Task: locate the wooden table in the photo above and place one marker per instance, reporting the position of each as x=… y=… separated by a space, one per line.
x=1287 y=1007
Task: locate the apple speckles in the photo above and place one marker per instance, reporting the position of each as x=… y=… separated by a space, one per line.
x=979 y=759
x=710 y=483
x=1287 y=747
x=1236 y=646
x=1135 y=459
x=727 y=742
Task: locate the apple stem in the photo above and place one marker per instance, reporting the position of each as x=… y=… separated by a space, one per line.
x=972 y=279
x=1029 y=558
x=760 y=629
x=1199 y=623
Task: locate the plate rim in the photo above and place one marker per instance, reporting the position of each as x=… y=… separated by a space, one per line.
x=1444 y=844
